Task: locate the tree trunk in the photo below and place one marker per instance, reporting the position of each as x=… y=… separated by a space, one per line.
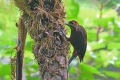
x=44 y=20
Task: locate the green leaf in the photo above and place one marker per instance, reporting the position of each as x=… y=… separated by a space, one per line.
x=113 y=74
x=90 y=69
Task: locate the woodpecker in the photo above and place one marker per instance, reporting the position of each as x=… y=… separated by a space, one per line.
x=78 y=39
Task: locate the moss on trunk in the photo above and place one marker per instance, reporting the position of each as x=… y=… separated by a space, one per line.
x=44 y=20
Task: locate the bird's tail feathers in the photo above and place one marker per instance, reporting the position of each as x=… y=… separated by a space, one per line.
x=80 y=58
x=73 y=56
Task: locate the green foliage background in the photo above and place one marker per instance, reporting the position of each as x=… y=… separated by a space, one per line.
x=103 y=64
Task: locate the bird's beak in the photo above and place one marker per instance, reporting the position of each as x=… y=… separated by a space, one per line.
x=66 y=23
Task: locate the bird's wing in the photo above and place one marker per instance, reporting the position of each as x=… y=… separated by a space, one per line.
x=82 y=44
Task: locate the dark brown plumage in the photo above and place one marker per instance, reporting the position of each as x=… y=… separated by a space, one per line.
x=78 y=39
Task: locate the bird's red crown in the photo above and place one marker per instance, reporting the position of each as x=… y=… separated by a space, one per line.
x=73 y=21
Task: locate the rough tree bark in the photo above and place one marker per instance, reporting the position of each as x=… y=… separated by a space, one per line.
x=44 y=20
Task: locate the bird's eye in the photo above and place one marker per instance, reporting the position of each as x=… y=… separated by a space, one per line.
x=72 y=22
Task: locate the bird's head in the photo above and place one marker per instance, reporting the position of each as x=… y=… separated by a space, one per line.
x=72 y=24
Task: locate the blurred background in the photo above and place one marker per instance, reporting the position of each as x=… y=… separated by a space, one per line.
x=100 y=18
